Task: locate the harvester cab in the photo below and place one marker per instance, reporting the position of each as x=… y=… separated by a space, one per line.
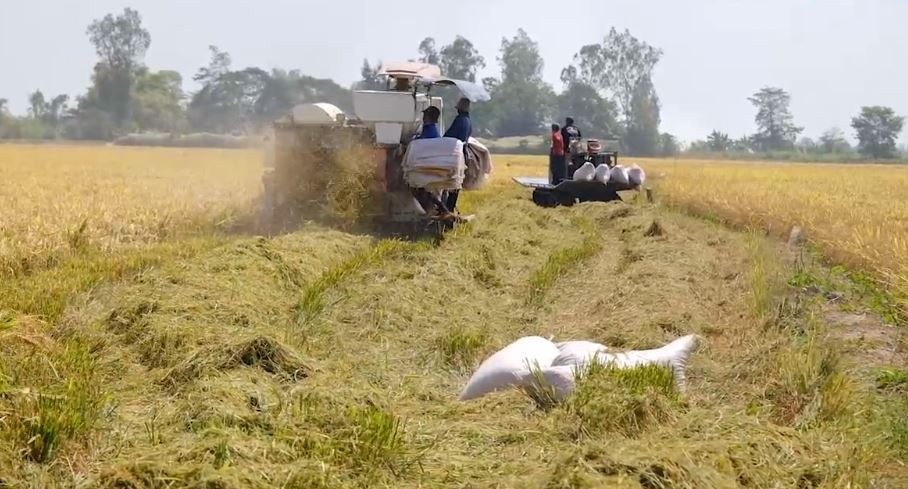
x=386 y=121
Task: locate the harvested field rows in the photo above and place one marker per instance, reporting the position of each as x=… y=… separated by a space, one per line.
x=330 y=359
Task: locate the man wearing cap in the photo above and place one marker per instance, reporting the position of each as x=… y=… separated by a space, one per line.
x=568 y=133
x=430 y=123
x=425 y=198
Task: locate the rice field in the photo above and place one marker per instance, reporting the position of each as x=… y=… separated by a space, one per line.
x=55 y=199
x=148 y=340
x=856 y=215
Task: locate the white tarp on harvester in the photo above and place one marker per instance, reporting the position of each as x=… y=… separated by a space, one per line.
x=479 y=166
x=435 y=164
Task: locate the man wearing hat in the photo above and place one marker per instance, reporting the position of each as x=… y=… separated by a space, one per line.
x=461 y=128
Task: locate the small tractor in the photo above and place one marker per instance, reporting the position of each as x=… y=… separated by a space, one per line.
x=316 y=139
x=548 y=193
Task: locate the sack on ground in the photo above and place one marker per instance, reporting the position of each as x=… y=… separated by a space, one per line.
x=510 y=366
x=577 y=353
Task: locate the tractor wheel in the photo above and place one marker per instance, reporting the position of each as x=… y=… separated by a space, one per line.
x=564 y=199
x=544 y=198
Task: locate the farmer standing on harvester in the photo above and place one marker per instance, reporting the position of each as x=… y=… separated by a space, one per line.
x=462 y=129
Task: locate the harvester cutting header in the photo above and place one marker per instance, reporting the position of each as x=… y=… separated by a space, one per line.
x=377 y=163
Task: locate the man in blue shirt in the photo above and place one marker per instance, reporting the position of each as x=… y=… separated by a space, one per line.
x=430 y=118
x=430 y=123
x=462 y=129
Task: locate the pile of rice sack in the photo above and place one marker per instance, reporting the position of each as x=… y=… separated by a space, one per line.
x=513 y=366
x=439 y=164
x=435 y=164
x=621 y=175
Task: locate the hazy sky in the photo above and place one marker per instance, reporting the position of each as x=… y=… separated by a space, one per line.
x=832 y=56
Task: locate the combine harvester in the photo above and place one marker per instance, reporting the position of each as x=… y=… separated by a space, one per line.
x=386 y=123
x=592 y=175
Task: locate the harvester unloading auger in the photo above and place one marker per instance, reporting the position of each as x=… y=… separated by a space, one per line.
x=365 y=166
x=591 y=175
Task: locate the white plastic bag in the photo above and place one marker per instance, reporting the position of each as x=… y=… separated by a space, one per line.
x=673 y=355
x=560 y=379
x=577 y=353
x=585 y=172
x=434 y=163
x=602 y=173
x=636 y=176
x=619 y=175
x=510 y=366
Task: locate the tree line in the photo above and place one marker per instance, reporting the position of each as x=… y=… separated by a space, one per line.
x=607 y=88
x=877 y=129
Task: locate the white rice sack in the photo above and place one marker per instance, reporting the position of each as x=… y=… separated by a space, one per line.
x=636 y=175
x=510 y=366
x=619 y=175
x=602 y=173
x=559 y=378
x=585 y=172
x=674 y=355
x=577 y=353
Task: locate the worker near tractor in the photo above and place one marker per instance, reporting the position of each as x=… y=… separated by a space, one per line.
x=462 y=129
x=569 y=133
x=557 y=167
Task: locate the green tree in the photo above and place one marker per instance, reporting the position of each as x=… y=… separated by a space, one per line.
x=461 y=60
x=642 y=136
x=37 y=106
x=594 y=114
x=370 y=80
x=228 y=99
x=774 y=120
x=617 y=67
x=718 y=141
x=218 y=66
x=427 y=52
x=121 y=43
x=833 y=141
x=877 y=129
x=668 y=145
x=229 y=103
x=520 y=99
x=743 y=144
x=807 y=145
x=158 y=101
x=284 y=89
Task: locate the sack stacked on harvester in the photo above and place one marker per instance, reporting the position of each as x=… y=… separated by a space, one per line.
x=479 y=165
x=435 y=164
